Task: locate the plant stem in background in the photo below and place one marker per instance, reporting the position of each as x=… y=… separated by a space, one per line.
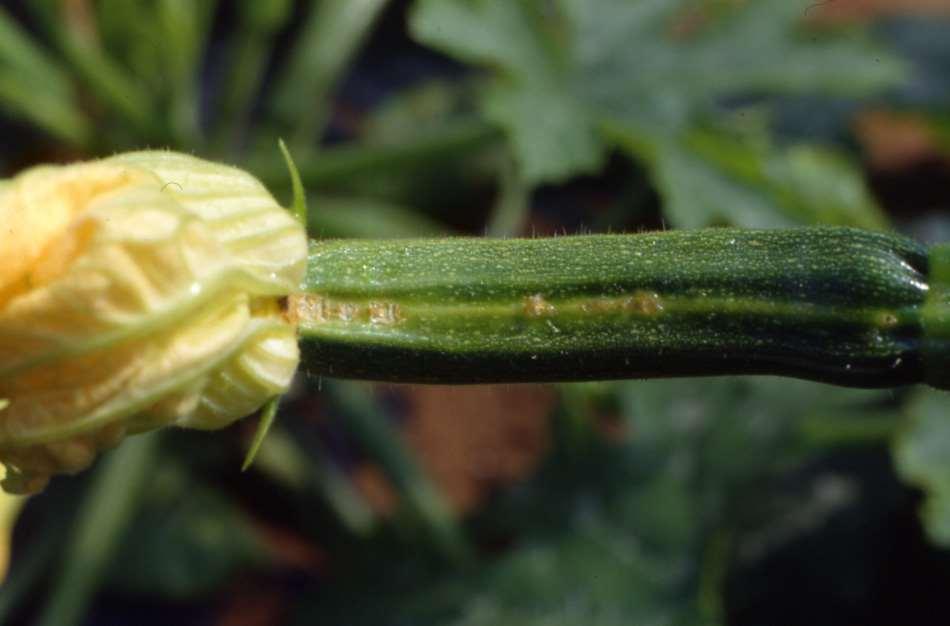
x=251 y=48
x=364 y=421
x=331 y=36
x=36 y=86
x=75 y=32
x=337 y=165
x=186 y=26
x=837 y=305
x=513 y=203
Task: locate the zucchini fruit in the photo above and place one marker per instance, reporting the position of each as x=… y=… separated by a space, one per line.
x=838 y=305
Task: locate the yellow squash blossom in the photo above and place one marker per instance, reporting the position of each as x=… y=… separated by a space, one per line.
x=137 y=291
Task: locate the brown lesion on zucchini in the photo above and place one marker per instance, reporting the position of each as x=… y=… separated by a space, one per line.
x=536 y=306
x=310 y=309
x=887 y=320
x=385 y=313
x=641 y=302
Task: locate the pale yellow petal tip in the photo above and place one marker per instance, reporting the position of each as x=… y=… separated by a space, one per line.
x=10 y=507
x=151 y=299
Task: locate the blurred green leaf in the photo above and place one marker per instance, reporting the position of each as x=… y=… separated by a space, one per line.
x=251 y=47
x=73 y=27
x=553 y=133
x=712 y=177
x=186 y=540
x=922 y=458
x=630 y=532
x=52 y=518
x=427 y=107
x=22 y=580
x=161 y=43
x=103 y=519
x=368 y=423
x=331 y=35
x=265 y=16
x=184 y=26
x=305 y=466
x=574 y=77
x=338 y=166
x=368 y=218
x=34 y=86
x=940 y=124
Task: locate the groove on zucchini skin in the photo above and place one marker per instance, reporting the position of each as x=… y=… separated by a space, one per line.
x=832 y=304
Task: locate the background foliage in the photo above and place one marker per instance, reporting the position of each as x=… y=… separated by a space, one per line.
x=728 y=501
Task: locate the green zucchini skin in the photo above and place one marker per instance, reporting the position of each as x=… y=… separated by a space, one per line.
x=837 y=305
